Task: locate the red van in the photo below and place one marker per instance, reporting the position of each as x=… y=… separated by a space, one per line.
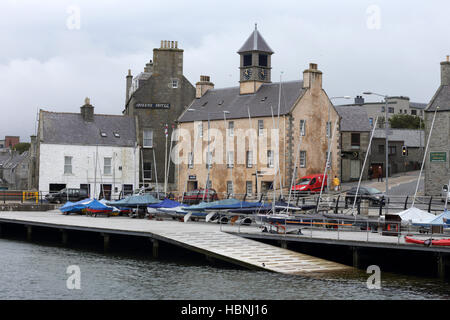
x=310 y=184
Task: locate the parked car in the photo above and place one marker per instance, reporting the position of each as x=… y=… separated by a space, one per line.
x=67 y=194
x=445 y=193
x=198 y=195
x=310 y=184
x=374 y=195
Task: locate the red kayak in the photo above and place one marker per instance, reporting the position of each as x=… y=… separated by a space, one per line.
x=427 y=242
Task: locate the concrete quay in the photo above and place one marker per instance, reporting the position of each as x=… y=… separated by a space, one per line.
x=199 y=237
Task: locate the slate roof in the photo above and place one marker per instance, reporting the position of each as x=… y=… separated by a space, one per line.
x=71 y=129
x=441 y=99
x=215 y=101
x=14 y=160
x=255 y=43
x=353 y=118
x=4 y=158
x=411 y=137
x=417 y=105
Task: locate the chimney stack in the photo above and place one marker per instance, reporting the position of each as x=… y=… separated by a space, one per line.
x=149 y=67
x=202 y=86
x=445 y=72
x=87 y=111
x=359 y=100
x=312 y=77
x=128 y=86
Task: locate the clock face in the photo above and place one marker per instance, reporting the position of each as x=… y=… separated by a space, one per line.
x=247 y=74
x=263 y=74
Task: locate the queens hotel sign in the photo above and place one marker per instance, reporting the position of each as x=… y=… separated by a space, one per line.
x=152 y=105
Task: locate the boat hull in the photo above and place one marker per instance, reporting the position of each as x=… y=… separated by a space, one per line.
x=440 y=242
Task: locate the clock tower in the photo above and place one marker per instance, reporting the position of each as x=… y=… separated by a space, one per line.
x=255 y=66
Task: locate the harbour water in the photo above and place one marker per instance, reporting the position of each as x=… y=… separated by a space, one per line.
x=39 y=271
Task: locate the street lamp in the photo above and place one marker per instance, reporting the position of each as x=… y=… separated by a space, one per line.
x=386 y=123
x=329 y=130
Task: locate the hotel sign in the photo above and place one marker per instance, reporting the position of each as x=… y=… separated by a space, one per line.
x=438 y=156
x=152 y=105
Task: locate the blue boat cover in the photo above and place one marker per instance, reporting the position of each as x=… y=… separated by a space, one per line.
x=206 y=205
x=166 y=203
x=97 y=205
x=442 y=219
x=241 y=205
x=76 y=206
x=66 y=207
x=226 y=204
x=134 y=201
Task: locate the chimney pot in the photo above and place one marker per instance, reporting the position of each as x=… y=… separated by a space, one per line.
x=203 y=86
x=87 y=111
x=445 y=72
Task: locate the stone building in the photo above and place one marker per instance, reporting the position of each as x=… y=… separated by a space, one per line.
x=437 y=166
x=355 y=131
x=413 y=140
x=156 y=98
x=396 y=105
x=96 y=152
x=243 y=154
x=14 y=170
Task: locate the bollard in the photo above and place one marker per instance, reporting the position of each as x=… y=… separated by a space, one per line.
x=337 y=204
x=381 y=206
x=406 y=203
x=429 y=204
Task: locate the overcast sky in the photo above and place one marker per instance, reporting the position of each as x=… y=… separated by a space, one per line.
x=55 y=53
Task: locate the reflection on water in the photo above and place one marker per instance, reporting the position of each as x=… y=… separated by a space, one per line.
x=31 y=271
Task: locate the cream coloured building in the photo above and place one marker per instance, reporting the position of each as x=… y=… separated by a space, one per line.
x=246 y=133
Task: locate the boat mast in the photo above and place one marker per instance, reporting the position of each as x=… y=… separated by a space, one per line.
x=294 y=173
x=253 y=149
x=279 y=106
x=327 y=162
x=364 y=164
x=156 y=174
x=274 y=183
x=424 y=157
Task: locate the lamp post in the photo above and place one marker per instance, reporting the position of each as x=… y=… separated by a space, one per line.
x=208 y=152
x=329 y=130
x=386 y=123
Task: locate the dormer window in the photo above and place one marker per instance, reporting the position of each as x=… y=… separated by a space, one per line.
x=103 y=134
x=221 y=102
x=264 y=99
x=174 y=83
x=116 y=134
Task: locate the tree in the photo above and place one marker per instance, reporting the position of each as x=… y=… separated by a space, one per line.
x=22 y=147
x=405 y=121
